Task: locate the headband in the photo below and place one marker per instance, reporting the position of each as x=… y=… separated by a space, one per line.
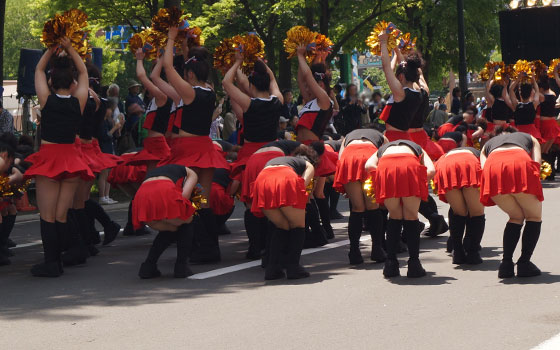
x=192 y=59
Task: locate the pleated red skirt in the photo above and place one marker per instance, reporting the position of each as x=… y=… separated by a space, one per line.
x=400 y=175
x=445 y=128
x=549 y=129
x=58 y=161
x=532 y=130
x=220 y=202
x=155 y=149
x=243 y=156
x=123 y=174
x=195 y=151
x=87 y=150
x=509 y=171
x=277 y=187
x=327 y=165
x=107 y=160
x=455 y=171
x=447 y=145
x=433 y=150
x=394 y=135
x=490 y=127
x=159 y=200
x=254 y=166
x=351 y=166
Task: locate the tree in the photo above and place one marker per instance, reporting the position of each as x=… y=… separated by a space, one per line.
x=2 y=17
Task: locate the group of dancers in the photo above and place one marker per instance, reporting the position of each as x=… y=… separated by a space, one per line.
x=288 y=187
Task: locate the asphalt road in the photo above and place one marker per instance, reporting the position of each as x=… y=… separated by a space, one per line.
x=104 y=305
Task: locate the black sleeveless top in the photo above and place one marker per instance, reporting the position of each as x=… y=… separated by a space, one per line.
x=89 y=121
x=172 y=171
x=501 y=111
x=474 y=151
x=454 y=135
x=314 y=118
x=221 y=177
x=371 y=135
x=423 y=111
x=287 y=146
x=488 y=114
x=519 y=139
x=296 y=163
x=413 y=146
x=157 y=118
x=335 y=144
x=548 y=106
x=260 y=122
x=61 y=118
x=525 y=113
x=196 y=117
x=400 y=114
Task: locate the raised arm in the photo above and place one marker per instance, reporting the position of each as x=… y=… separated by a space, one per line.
x=394 y=84
x=512 y=95
x=430 y=168
x=507 y=99
x=41 y=85
x=273 y=88
x=242 y=82
x=536 y=96
x=183 y=88
x=236 y=95
x=167 y=89
x=161 y=98
x=81 y=92
x=556 y=77
x=323 y=99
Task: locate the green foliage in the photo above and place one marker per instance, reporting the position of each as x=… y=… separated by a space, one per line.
x=113 y=64
x=377 y=77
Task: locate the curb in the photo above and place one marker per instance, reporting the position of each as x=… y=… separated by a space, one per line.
x=35 y=216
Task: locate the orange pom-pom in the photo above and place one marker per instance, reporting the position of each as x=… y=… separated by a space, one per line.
x=71 y=24
x=406 y=44
x=194 y=37
x=300 y=35
x=553 y=66
x=250 y=45
x=373 y=40
x=149 y=41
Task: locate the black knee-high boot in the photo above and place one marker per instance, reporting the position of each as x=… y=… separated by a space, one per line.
x=293 y=268
x=184 y=245
x=252 y=227
x=531 y=234
x=78 y=253
x=473 y=237
x=163 y=240
x=82 y=220
x=333 y=197
x=374 y=222
x=273 y=267
x=221 y=223
x=269 y=230
x=457 y=225
x=394 y=228
x=512 y=232
x=129 y=229
x=412 y=234
x=354 y=234
x=111 y=229
x=6 y=228
x=51 y=267
x=208 y=249
x=438 y=225
x=316 y=236
x=324 y=213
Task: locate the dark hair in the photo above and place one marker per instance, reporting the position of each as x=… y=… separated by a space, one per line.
x=500 y=129
x=525 y=91
x=346 y=95
x=320 y=73
x=544 y=83
x=482 y=123
x=377 y=93
x=318 y=146
x=461 y=128
x=307 y=153
x=25 y=140
x=455 y=91
x=198 y=63
x=62 y=72
x=496 y=90
x=409 y=67
x=94 y=76
x=8 y=143
x=259 y=78
x=285 y=91
x=472 y=109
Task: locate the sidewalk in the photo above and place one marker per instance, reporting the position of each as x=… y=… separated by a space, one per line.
x=31 y=216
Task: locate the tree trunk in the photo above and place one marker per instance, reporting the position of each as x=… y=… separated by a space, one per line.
x=325 y=18
x=284 y=70
x=2 y=18
x=171 y=3
x=308 y=15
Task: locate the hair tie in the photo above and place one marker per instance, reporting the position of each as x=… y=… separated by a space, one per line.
x=321 y=76
x=403 y=64
x=193 y=59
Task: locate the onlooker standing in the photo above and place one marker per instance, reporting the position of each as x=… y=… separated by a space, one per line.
x=6 y=120
x=375 y=106
x=437 y=117
x=133 y=96
x=105 y=139
x=289 y=108
x=352 y=110
x=456 y=102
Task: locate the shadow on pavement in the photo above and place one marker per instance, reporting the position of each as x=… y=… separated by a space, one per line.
x=545 y=278
x=429 y=280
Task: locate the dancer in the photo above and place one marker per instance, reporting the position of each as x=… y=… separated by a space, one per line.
x=333 y=146
x=7 y=209
x=510 y=178
x=526 y=109
x=453 y=139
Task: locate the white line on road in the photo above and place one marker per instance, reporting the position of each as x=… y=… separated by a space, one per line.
x=34 y=243
x=551 y=344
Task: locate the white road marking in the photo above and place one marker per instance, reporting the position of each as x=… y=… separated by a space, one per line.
x=34 y=243
x=551 y=344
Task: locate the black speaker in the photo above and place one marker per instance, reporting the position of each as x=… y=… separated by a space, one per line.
x=530 y=34
x=28 y=60
x=97 y=57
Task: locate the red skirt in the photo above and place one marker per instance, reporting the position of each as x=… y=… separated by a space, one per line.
x=158 y=200
x=447 y=145
x=58 y=161
x=254 y=166
x=195 y=151
x=400 y=175
x=107 y=160
x=394 y=135
x=277 y=187
x=352 y=164
x=532 y=130
x=549 y=129
x=456 y=171
x=124 y=174
x=242 y=157
x=433 y=150
x=507 y=172
x=155 y=149
x=220 y=202
x=327 y=165
x=87 y=150
x=490 y=127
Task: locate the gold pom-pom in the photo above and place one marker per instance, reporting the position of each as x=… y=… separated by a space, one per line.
x=369 y=189
x=194 y=37
x=197 y=198
x=433 y=187
x=553 y=66
x=224 y=55
x=523 y=69
x=373 y=40
x=250 y=45
x=310 y=186
x=166 y=18
x=539 y=68
x=546 y=170
x=406 y=44
x=476 y=143
x=149 y=41
x=72 y=25
x=300 y=35
x=490 y=66
x=323 y=44
x=503 y=73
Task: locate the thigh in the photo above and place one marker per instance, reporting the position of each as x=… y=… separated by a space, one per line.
x=47 y=191
x=410 y=207
x=457 y=202
x=277 y=218
x=355 y=194
x=205 y=180
x=179 y=222
x=319 y=190
x=162 y=226
x=531 y=206
x=12 y=210
x=472 y=198
x=509 y=205
x=295 y=216
x=66 y=194
x=394 y=207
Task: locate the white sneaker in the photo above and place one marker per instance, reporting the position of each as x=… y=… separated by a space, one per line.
x=111 y=200
x=104 y=200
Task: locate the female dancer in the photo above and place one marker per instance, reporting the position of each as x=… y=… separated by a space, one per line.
x=359 y=145
x=333 y=147
x=549 y=128
x=510 y=178
x=499 y=100
x=280 y=193
x=58 y=166
x=526 y=109
x=162 y=203
x=191 y=145
x=453 y=139
x=457 y=180
x=393 y=162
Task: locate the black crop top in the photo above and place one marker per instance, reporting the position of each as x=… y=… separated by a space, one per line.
x=423 y=111
x=474 y=151
x=520 y=139
x=100 y=117
x=501 y=111
x=260 y=122
x=60 y=119
x=335 y=144
x=371 y=135
x=454 y=135
x=287 y=146
x=525 y=113
x=312 y=117
x=548 y=106
x=413 y=146
x=88 y=124
x=196 y=117
x=488 y=114
x=400 y=114
x=173 y=171
x=296 y=163
x=221 y=177
x=157 y=118
x=226 y=146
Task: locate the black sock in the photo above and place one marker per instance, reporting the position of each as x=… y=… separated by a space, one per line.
x=82 y=220
x=312 y=220
x=412 y=234
x=394 y=228
x=7 y=226
x=512 y=232
x=324 y=212
x=50 y=233
x=297 y=238
x=184 y=243
x=160 y=244
x=355 y=228
x=531 y=235
x=474 y=232
x=374 y=221
x=252 y=228
x=96 y=211
x=457 y=225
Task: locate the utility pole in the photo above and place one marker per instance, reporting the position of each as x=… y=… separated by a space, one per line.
x=462 y=54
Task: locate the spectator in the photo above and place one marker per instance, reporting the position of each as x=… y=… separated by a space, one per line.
x=106 y=145
x=283 y=134
x=375 y=106
x=229 y=125
x=456 y=102
x=133 y=96
x=292 y=124
x=289 y=108
x=113 y=92
x=338 y=93
x=437 y=117
x=6 y=121
x=352 y=110
x=469 y=100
